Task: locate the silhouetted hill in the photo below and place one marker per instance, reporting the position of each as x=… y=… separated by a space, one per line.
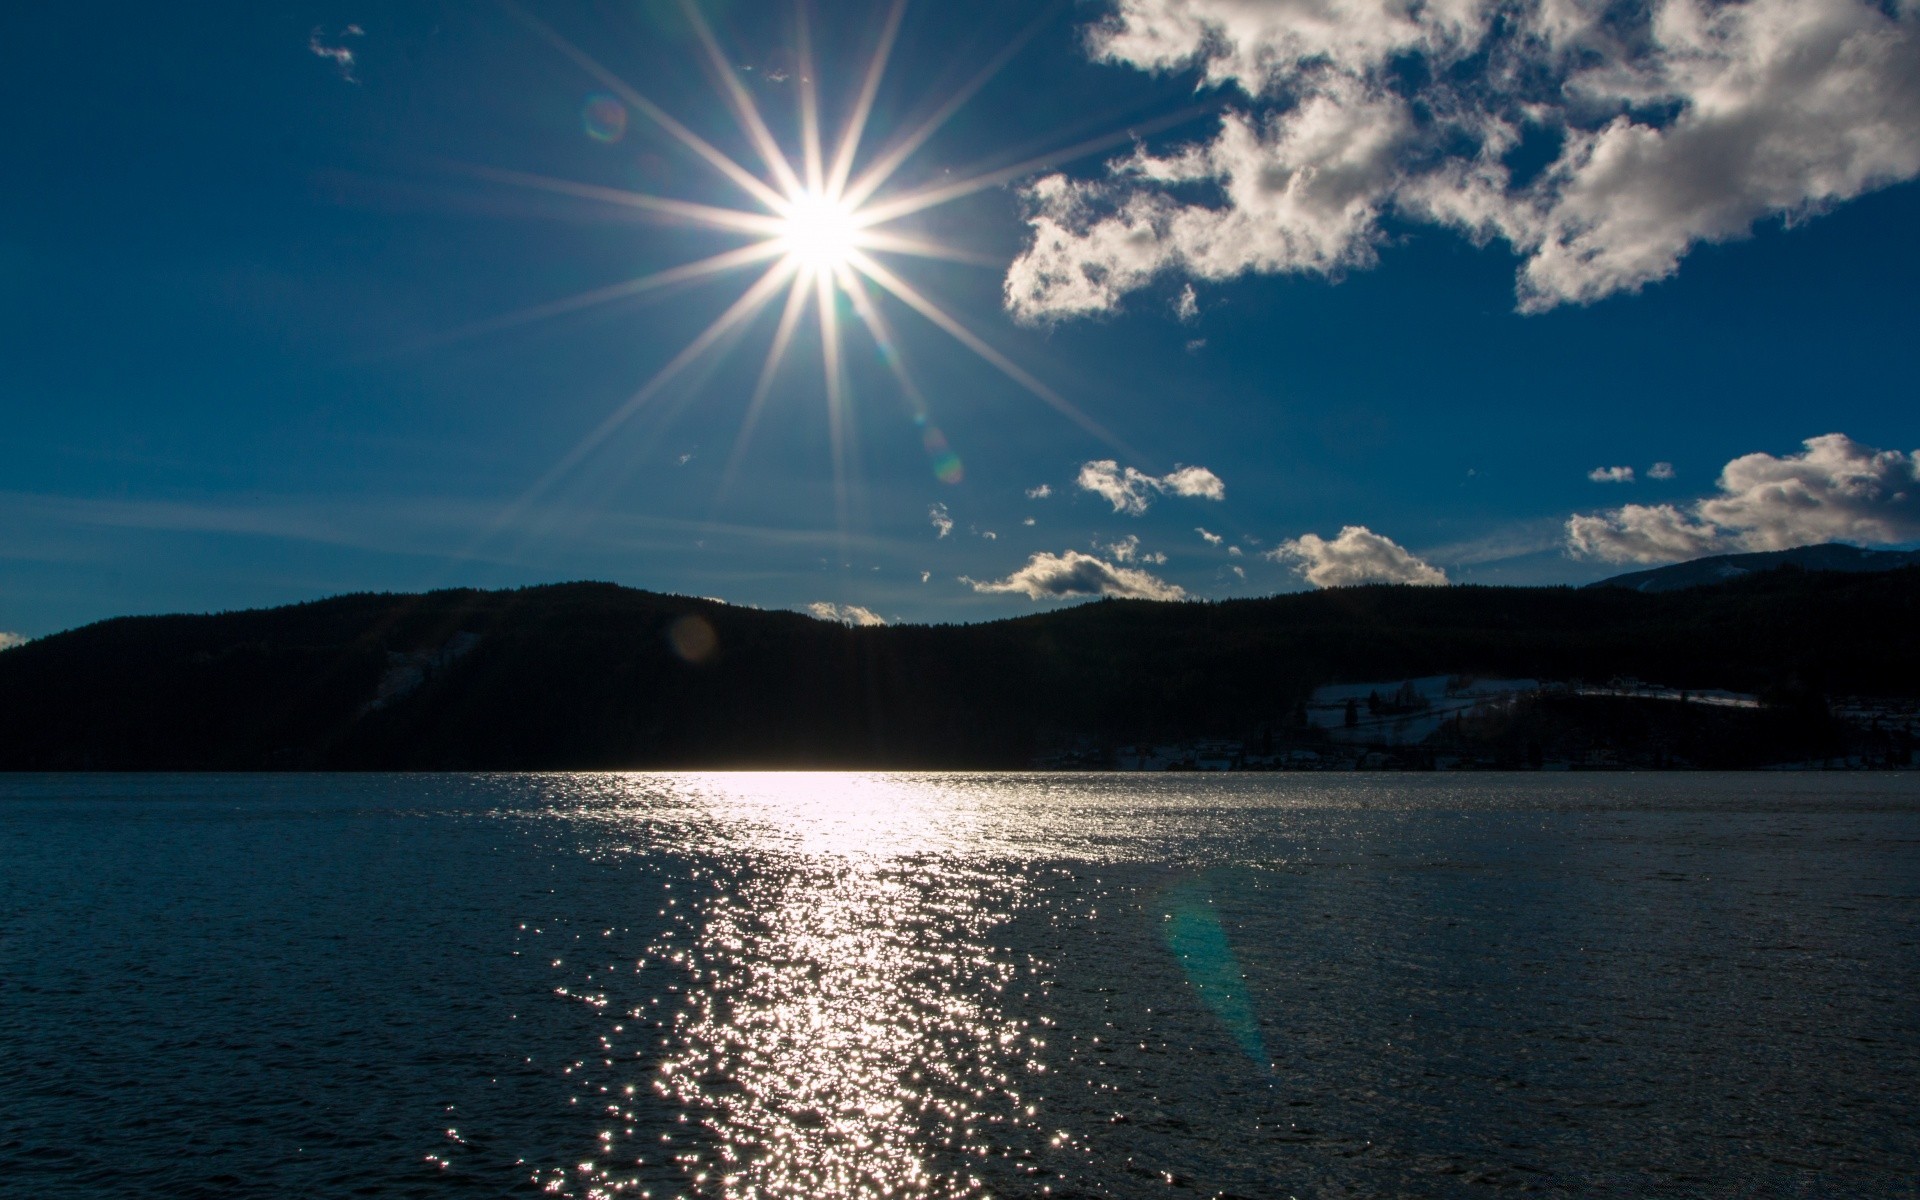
x=1702 y=572
x=594 y=676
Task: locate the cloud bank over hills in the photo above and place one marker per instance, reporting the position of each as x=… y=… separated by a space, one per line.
x=1834 y=490
x=1074 y=573
x=1357 y=556
x=1663 y=125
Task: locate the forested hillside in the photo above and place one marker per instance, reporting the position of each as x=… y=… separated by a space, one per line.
x=597 y=676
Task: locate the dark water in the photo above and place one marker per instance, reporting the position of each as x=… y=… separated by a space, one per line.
x=831 y=985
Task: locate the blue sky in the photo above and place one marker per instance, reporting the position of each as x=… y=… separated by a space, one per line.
x=1344 y=295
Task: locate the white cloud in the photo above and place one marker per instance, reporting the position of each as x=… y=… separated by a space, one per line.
x=336 y=49
x=925 y=575
x=1196 y=345
x=991 y=536
x=1028 y=521
x=1187 y=306
x=1660 y=470
x=1127 y=549
x=1834 y=490
x=9 y=640
x=1234 y=551
x=1240 y=571
x=1040 y=491
x=846 y=614
x=1357 y=556
x=1059 y=576
x=1679 y=122
x=1611 y=474
x=1212 y=539
x=1130 y=490
x=938 y=518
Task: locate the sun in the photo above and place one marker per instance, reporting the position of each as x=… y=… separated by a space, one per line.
x=820 y=232
x=816 y=228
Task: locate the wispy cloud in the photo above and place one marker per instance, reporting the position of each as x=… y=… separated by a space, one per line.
x=1660 y=470
x=1187 y=306
x=937 y=517
x=1212 y=539
x=1357 y=556
x=1611 y=474
x=1064 y=576
x=845 y=614
x=1835 y=489
x=1040 y=491
x=1131 y=491
x=336 y=50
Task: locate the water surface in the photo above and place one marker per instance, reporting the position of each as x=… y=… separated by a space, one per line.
x=959 y=985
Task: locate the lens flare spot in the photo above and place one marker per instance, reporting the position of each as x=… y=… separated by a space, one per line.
x=947 y=468
x=692 y=638
x=604 y=118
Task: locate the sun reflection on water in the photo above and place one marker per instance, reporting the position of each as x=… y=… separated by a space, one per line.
x=839 y=1036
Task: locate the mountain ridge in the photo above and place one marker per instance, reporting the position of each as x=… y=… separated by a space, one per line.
x=1721 y=568
x=597 y=676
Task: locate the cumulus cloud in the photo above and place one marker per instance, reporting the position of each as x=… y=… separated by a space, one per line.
x=1040 y=491
x=1062 y=576
x=1660 y=470
x=1611 y=474
x=1357 y=556
x=1212 y=539
x=336 y=50
x=1028 y=521
x=938 y=518
x=1234 y=551
x=1678 y=123
x=846 y=614
x=1131 y=491
x=9 y=640
x=1835 y=489
x=990 y=535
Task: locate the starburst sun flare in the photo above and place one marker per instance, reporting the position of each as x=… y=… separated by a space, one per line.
x=815 y=230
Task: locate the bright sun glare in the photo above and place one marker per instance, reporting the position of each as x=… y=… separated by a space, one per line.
x=820 y=232
x=813 y=227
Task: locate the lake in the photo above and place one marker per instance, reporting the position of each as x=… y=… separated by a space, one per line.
x=960 y=985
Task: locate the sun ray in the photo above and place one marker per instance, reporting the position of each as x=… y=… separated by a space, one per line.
x=912 y=298
x=776 y=354
x=836 y=399
x=881 y=331
x=712 y=216
x=745 y=111
x=875 y=176
x=714 y=265
x=889 y=242
x=741 y=311
x=863 y=104
x=742 y=177
x=908 y=203
x=809 y=101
